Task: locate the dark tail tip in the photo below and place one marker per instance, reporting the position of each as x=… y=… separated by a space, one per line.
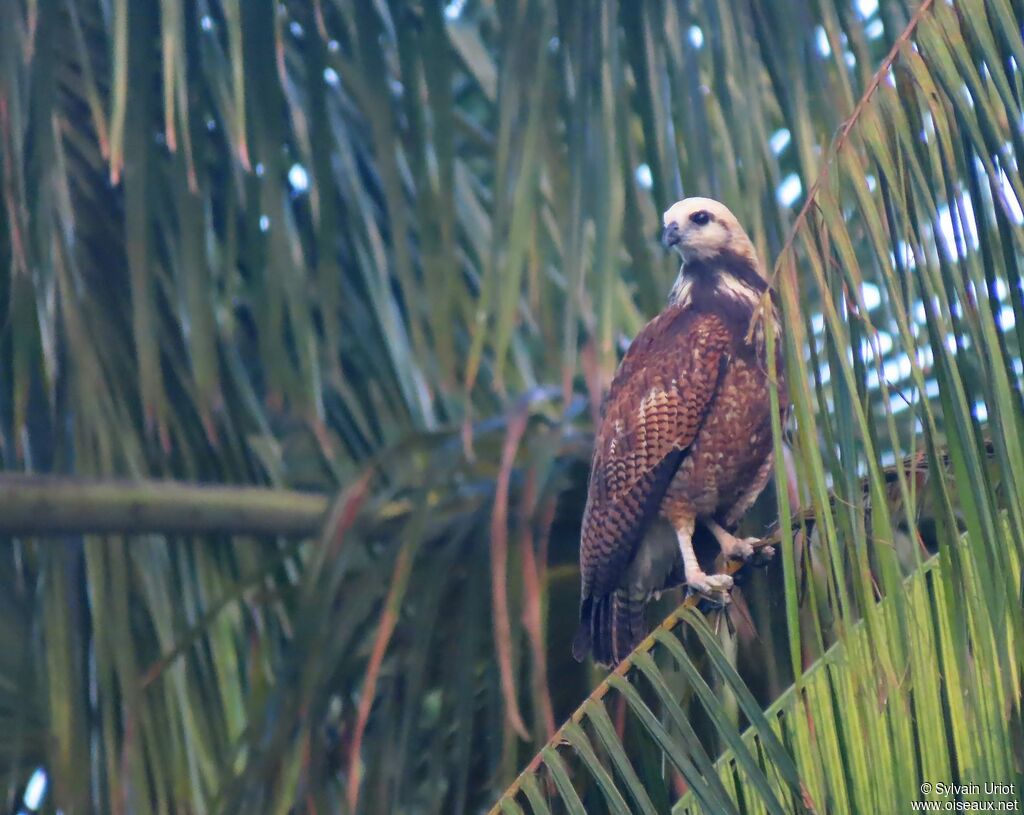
x=628 y=625
x=581 y=642
x=610 y=626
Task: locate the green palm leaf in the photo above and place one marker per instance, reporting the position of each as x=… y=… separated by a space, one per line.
x=364 y=249
x=882 y=711
x=795 y=756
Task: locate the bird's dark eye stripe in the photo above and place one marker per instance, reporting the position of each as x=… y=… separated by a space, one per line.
x=701 y=217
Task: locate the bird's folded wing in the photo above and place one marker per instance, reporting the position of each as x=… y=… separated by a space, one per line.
x=654 y=409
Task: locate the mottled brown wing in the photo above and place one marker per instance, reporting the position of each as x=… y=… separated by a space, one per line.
x=655 y=407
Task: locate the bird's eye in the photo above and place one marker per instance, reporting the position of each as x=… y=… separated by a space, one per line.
x=701 y=217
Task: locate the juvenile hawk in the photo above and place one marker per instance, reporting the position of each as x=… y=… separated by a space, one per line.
x=685 y=435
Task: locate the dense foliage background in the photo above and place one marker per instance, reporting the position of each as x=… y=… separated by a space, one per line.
x=391 y=251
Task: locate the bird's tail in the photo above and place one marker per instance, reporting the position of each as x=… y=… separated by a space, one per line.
x=611 y=626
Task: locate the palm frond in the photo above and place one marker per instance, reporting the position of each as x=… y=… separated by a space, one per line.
x=806 y=751
x=914 y=158
x=287 y=244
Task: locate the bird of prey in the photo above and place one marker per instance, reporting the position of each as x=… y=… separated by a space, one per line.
x=685 y=435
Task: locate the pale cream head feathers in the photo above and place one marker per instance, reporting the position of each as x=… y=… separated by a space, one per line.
x=703 y=229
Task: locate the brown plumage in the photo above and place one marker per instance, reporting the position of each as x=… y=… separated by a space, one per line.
x=685 y=435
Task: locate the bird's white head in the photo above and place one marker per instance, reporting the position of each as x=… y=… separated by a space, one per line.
x=705 y=229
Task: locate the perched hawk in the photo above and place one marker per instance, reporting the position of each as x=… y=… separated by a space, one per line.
x=685 y=435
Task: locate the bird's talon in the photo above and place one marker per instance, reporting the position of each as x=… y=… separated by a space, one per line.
x=739 y=548
x=708 y=603
x=714 y=588
x=763 y=555
x=708 y=606
x=718 y=582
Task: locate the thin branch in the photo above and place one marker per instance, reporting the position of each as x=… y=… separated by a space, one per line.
x=848 y=125
x=48 y=505
x=499 y=571
x=385 y=629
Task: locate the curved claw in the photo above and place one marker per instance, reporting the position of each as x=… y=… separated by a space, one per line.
x=714 y=588
x=731 y=546
x=762 y=555
x=708 y=605
x=739 y=548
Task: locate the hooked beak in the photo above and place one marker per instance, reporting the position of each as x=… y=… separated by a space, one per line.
x=671 y=236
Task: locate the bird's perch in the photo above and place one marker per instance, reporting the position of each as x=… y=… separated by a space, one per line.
x=49 y=505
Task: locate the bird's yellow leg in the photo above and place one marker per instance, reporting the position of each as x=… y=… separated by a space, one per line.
x=714 y=585
x=733 y=547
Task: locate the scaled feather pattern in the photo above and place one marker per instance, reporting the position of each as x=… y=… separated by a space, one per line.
x=685 y=434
